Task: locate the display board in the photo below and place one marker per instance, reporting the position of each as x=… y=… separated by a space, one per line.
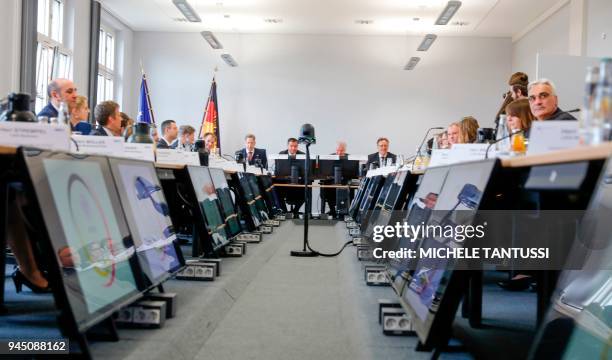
x=86 y=235
x=227 y=203
x=148 y=218
x=208 y=204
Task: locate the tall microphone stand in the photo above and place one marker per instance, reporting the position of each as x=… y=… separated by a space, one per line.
x=305 y=252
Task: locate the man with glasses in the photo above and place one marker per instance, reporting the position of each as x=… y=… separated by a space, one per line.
x=543 y=101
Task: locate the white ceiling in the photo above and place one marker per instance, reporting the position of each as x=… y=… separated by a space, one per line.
x=390 y=17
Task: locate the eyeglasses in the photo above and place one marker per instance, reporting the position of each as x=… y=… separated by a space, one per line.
x=541 y=96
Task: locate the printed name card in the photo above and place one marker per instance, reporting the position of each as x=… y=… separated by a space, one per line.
x=358 y=157
x=42 y=136
x=171 y=156
x=139 y=151
x=328 y=157
x=468 y=152
x=440 y=157
x=552 y=135
x=97 y=145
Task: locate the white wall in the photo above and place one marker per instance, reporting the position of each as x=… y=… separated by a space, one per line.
x=549 y=37
x=124 y=86
x=598 y=22
x=348 y=87
x=10 y=39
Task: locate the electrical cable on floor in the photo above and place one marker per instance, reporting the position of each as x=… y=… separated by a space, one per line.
x=329 y=255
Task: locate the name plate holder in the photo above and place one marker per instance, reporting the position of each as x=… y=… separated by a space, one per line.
x=176 y=157
x=38 y=135
x=266 y=229
x=98 y=145
x=274 y=223
x=249 y=237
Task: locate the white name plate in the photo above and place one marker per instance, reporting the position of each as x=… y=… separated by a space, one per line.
x=139 y=151
x=328 y=157
x=98 y=145
x=467 y=152
x=552 y=135
x=439 y=157
x=42 y=136
x=358 y=157
x=171 y=156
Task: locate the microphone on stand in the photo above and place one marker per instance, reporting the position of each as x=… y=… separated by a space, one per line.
x=423 y=141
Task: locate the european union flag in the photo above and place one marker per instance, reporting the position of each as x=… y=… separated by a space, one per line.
x=145 y=112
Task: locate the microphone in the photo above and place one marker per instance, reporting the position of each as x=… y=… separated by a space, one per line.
x=423 y=141
x=500 y=139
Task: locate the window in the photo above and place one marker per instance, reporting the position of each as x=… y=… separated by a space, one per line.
x=53 y=59
x=106 y=65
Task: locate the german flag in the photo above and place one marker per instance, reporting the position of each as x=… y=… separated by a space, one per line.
x=210 y=121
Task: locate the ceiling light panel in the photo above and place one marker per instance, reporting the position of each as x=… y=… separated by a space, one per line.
x=449 y=11
x=187 y=10
x=211 y=40
x=412 y=63
x=427 y=41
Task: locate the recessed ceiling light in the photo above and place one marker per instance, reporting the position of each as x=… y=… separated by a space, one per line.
x=273 y=20
x=412 y=63
x=364 y=22
x=427 y=41
x=449 y=11
x=229 y=60
x=211 y=39
x=187 y=11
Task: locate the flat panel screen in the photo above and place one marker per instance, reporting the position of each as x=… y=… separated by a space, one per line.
x=271 y=193
x=250 y=199
x=259 y=200
x=227 y=202
x=209 y=204
x=87 y=231
x=148 y=217
x=426 y=293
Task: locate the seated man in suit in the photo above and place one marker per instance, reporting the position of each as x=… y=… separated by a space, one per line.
x=544 y=102
x=59 y=90
x=292 y=147
x=294 y=197
x=328 y=195
x=251 y=154
x=383 y=156
x=108 y=117
x=169 y=135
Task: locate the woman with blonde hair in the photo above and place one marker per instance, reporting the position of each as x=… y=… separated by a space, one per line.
x=79 y=116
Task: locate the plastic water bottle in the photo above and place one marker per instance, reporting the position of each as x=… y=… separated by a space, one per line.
x=602 y=104
x=63 y=115
x=502 y=146
x=590 y=132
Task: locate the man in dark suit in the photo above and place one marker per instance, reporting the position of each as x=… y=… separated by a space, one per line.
x=383 y=156
x=251 y=154
x=328 y=195
x=59 y=90
x=544 y=103
x=292 y=147
x=294 y=197
x=169 y=135
x=108 y=117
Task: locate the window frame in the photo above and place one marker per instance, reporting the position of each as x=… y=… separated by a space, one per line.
x=107 y=74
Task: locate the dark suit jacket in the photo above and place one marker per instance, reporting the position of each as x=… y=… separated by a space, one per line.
x=98 y=132
x=48 y=111
x=257 y=154
x=561 y=115
x=286 y=152
x=373 y=158
x=162 y=144
x=83 y=127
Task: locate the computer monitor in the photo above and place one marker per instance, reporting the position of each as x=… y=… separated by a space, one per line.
x=283 y=167
x=370 y=217
x=370 y=197
x=435 y=290
x=259 y=199
x=148 y=218
x=91 y=257
x=348 y=168
x=249 y=198
x=359 y=195
x=209 y=206
x=579 y=322
x=227 y=203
